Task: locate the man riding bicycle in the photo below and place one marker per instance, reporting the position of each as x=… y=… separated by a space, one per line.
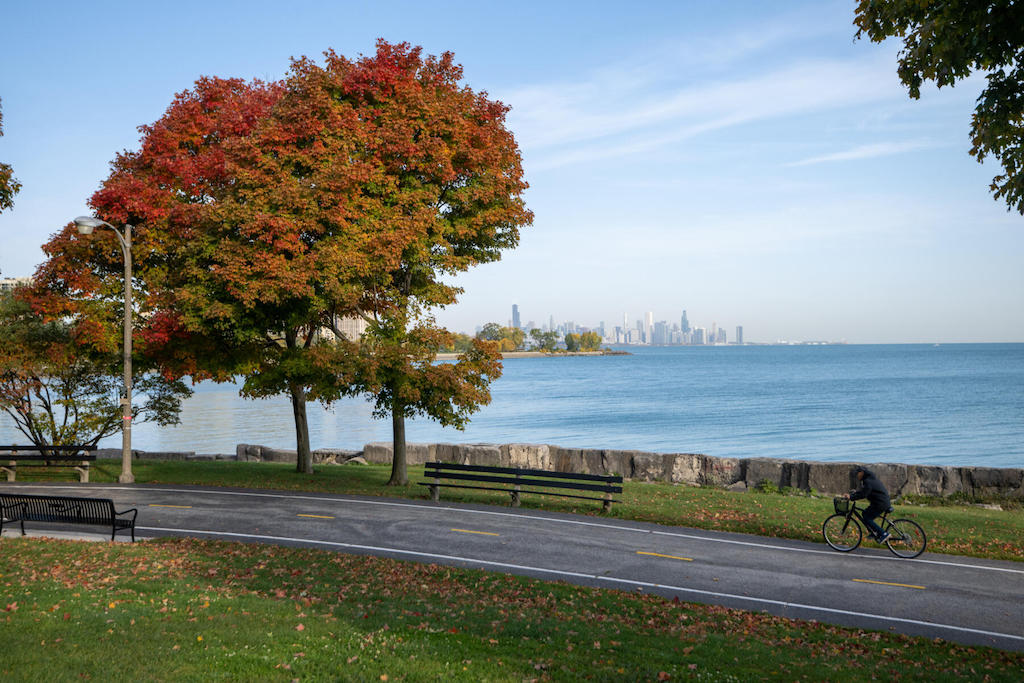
x=878 y=500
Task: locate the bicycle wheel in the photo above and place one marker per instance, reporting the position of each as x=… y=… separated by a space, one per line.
x=842 y=533
x=906 y=538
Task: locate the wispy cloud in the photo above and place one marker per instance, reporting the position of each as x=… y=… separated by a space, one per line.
x=665 y=95
x=879 y=149
x=613 y=115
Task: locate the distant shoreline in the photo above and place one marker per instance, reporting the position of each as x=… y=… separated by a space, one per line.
x=543 y=354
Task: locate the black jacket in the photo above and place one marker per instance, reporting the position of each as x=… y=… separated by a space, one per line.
x=872 y=489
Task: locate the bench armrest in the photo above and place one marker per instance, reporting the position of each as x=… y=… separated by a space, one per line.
x=134 y=511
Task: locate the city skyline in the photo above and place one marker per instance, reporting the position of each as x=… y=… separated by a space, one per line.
x=749 y=157
x=644 y=331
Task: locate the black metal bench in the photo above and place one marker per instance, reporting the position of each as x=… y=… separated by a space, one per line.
x=48 y=456
x=18 y=507
x=519 y=480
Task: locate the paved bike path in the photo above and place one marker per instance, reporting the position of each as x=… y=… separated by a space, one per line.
x=959 y=599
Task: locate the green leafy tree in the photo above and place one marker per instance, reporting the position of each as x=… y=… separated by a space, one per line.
x=61 y=391
x=9 y=186
x=544 y=341
x=399 y=371
x=590 y=341
x=508 y=338
x=945 y=41
x=572 y=342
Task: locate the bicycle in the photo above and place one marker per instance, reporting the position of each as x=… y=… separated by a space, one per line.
x=843 y=532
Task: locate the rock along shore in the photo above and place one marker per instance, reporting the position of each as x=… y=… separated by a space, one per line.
x=738 y=474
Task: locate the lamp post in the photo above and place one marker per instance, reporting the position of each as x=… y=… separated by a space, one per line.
x=85 y=225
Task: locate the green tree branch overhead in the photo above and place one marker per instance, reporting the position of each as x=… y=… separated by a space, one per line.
x=945 y=41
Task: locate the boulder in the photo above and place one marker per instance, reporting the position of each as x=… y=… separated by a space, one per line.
x=278 y=454
x=647 y=466
x=762 y=470
x=721 y=471
x=486 y=454
x=990 y=481
x=830 y=477
x=685 y=468
x=924 y=480
x=612 y=461
x=532 y=456
x=332 y=456
x=378 y=452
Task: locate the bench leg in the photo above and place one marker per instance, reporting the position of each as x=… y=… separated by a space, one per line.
x=9 y=471
x=83 y=474
x=515 y=498
x=435 y=492
x=607 y=506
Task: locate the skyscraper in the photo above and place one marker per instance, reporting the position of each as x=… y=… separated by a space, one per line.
x=739 y=334
x=685 y=324
x=516 y=323
x=648 y=326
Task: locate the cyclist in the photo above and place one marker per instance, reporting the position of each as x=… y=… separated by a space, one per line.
x=878 y=500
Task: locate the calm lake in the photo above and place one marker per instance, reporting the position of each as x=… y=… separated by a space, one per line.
x=957 y=404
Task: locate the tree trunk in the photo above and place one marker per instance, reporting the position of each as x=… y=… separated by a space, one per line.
x=399 y=475
x=304 y=460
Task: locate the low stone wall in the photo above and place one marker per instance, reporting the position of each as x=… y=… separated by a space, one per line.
x=704 y=470
x=738 y=474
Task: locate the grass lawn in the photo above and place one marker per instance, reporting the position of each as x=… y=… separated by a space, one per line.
x=954 y=529
x=191 y=610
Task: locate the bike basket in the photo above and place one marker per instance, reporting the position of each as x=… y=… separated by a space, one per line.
x=842 y=505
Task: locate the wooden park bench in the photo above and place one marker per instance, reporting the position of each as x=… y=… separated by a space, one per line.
x=519 y=480
x=47 y=456
x=19 y=507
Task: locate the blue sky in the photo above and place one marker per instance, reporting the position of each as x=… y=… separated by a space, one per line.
x=746 y=161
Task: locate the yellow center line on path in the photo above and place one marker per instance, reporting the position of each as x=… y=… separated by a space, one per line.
x=886 y=583
x=182 y=507
x=482 y=533
x=671 y=557
x=316 y=516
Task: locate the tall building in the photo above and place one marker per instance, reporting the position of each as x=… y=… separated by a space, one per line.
x=649 y=326
x=685 y=324
x=516 y=323
x=660 y=335
x=739 y=334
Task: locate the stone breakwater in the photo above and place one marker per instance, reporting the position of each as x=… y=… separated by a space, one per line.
x=738 y=474
x=703 y=470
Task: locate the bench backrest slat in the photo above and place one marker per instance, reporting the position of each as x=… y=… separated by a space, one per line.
x=56 y=508
x=442 y=467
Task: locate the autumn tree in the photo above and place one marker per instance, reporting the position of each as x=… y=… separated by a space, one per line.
x=9 y=186
x=945 y=41
x=438 y=190
x=227 y=283
x=266 y=213
x=61 y=389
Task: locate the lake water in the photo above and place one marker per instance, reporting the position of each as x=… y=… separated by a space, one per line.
x=958 y=404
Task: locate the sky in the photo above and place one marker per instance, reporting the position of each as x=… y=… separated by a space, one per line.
x=747 y=162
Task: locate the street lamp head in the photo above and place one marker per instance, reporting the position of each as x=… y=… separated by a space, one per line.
x=86 y=224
